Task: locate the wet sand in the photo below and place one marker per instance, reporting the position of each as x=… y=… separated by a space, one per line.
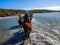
x=8 y=17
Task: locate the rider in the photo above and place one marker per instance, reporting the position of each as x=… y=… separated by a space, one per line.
x=28 y=17
x=20 y=16
x=31 y=16
x=20 y=20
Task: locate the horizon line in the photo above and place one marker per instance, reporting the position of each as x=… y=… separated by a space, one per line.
x=48 y=8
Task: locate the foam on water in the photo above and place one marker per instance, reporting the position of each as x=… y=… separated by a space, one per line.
x=39 y=36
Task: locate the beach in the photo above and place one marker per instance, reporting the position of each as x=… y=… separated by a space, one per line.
x=8 y=17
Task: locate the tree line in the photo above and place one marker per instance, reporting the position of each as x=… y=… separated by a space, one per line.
x=12 y=12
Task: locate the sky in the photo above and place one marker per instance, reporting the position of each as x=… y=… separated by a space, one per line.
x=28 y=4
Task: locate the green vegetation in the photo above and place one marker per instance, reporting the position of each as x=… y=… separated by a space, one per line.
x=11 y=12
x=42 y=11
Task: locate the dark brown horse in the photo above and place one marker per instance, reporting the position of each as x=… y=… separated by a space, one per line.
x=27 y=26
x=20 y=21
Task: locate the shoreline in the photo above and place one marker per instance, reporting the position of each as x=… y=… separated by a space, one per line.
x=15 y=16
x=8 y=17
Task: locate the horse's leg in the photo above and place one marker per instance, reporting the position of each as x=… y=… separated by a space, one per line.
x=24 y=27
x=20 y=23
x=27 y=30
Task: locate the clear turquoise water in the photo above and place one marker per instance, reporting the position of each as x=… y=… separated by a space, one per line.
x=49 y=22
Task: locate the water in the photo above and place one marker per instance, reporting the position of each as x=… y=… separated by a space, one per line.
x=46 y=28
x=7 y=23
x=7 y=27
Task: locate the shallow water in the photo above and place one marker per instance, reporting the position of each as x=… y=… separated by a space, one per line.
x=47 y=23
x=47 y=26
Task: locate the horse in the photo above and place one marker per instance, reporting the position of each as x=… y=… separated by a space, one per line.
x=27 y=26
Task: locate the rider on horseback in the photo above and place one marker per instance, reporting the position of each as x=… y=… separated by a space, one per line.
x=20 y=20
x=27 y=24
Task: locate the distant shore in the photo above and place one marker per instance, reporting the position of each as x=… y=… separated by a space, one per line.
x=17 y=16
x=8 y=17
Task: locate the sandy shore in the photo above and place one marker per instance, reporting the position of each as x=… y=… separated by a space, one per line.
x=8 y=17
